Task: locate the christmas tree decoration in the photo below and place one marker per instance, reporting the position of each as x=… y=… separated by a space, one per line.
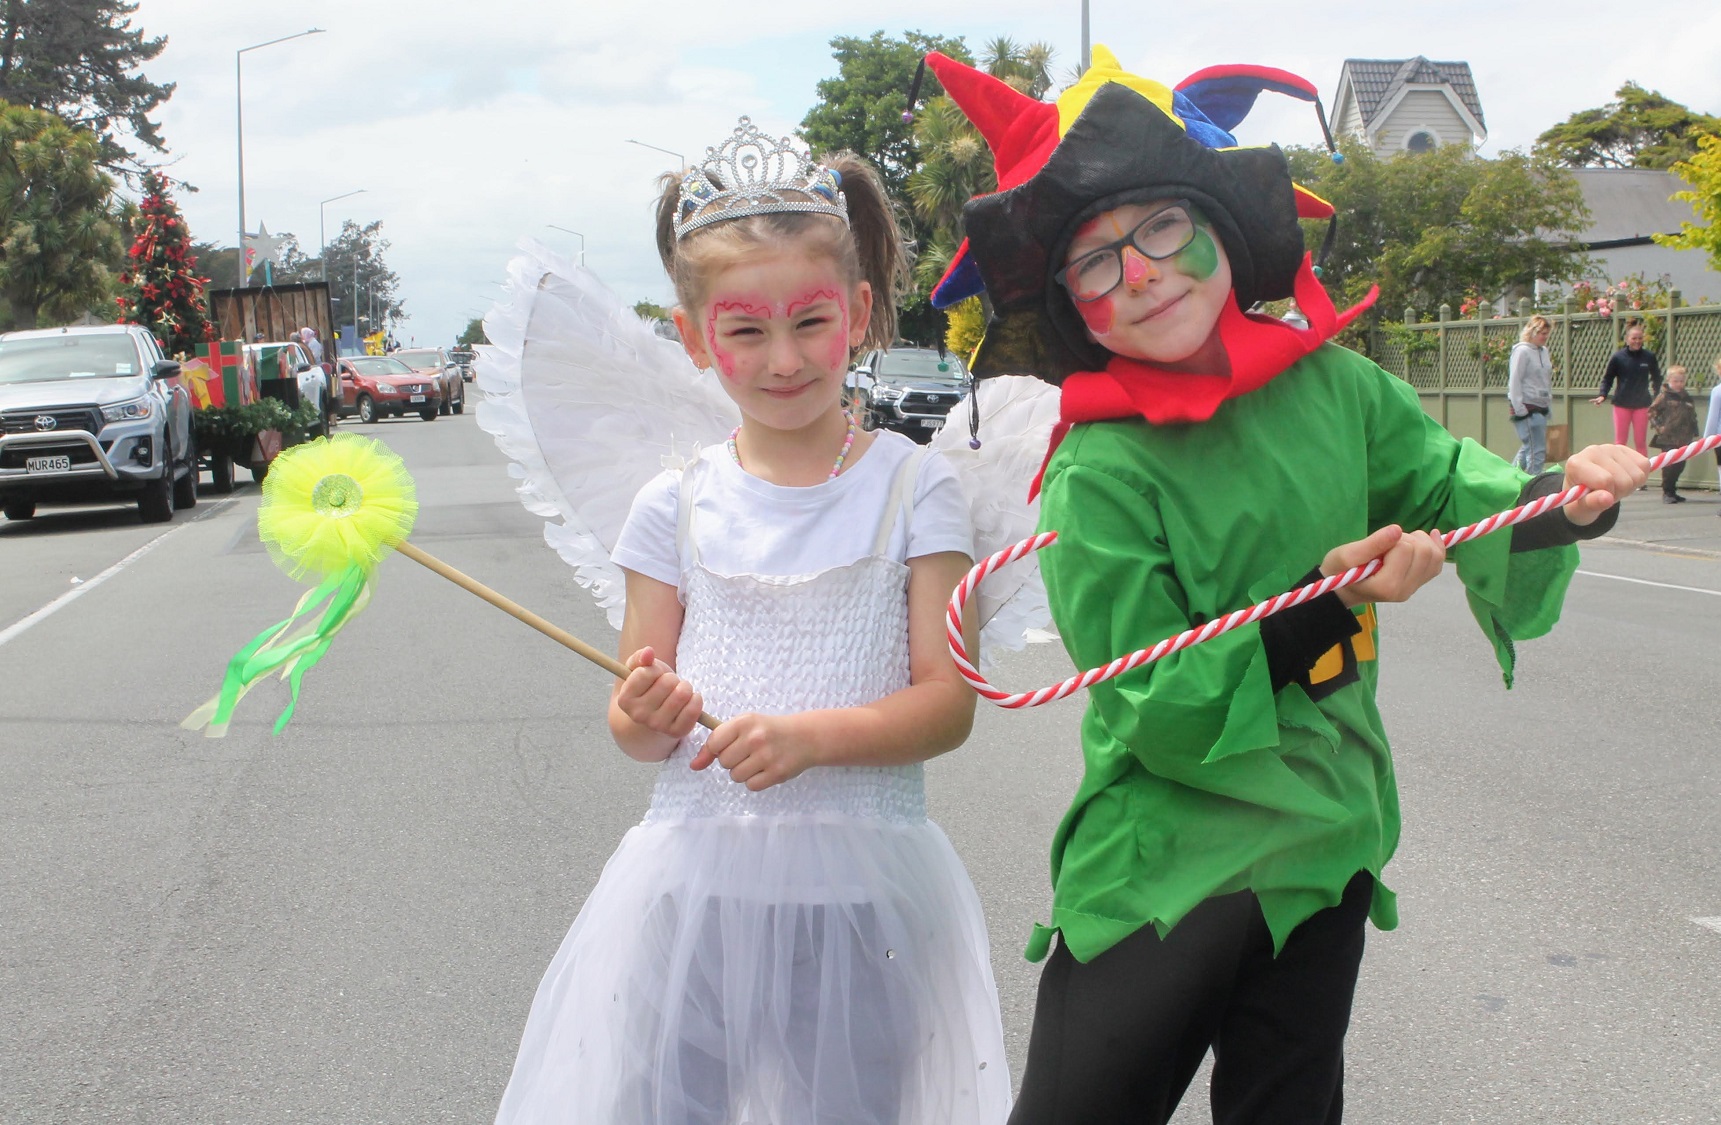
x=263 y=247
x=164 y=291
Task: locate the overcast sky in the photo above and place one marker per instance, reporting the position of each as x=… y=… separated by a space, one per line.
x=473 y=125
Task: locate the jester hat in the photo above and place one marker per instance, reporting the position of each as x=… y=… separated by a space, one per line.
x=1112 y=139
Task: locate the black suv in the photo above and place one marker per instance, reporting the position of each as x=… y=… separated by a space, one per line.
x=909 y=390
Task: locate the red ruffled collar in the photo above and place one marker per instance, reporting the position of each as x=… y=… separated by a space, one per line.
x=1258 y=348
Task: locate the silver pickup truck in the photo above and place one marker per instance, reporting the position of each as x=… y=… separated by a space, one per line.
x=92 y=414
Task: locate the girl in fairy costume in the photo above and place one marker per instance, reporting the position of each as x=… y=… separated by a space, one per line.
x=1212 y=877
x=785 y=937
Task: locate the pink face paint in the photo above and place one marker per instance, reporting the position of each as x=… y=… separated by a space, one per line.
x=1097 y=315
x=1135 y=266
x=726 y=360
x=810 y=299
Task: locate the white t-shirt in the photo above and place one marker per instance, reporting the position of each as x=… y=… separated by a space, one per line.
x=749 y=526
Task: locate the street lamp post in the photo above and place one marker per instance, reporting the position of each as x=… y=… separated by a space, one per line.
x=1086 y=60
x=577 y=235
x=680 y=162
x=322 y=235
x=239 y=118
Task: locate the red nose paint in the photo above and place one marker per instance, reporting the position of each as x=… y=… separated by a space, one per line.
x=1135 y=266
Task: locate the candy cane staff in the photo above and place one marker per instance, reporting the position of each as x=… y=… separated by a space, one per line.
x=1238 y=808
x=332 y=509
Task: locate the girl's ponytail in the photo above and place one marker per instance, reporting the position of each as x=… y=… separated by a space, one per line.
x=879 y=248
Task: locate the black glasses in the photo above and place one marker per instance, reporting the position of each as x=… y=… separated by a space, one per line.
x=1157 y=237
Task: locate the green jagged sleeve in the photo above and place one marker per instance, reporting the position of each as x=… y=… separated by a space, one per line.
x=1424 y=478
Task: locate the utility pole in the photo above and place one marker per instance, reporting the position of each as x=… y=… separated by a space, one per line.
x=1087 y=54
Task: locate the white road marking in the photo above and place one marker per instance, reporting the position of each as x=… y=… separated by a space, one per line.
x=1647 y=582
x=1709 y=923
x=84 y=587
x=1660 y=547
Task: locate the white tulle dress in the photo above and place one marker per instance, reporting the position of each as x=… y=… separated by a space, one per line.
x=810 y=954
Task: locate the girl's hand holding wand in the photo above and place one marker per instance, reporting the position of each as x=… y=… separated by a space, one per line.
x=759 y=751
x=654 y=697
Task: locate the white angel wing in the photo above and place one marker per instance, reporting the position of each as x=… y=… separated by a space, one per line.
x=589 y=404
x=1017 y=413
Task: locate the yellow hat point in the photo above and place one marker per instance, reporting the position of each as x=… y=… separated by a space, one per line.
x=1102 y=68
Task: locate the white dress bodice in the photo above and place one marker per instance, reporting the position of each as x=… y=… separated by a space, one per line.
x=778 y=645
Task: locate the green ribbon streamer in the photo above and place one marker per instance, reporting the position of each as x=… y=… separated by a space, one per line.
x=292 y=647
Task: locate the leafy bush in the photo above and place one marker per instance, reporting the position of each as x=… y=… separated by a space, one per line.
x=231 y=429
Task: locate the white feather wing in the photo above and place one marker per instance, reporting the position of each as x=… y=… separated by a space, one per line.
x=1017 y=414
x=589 y=404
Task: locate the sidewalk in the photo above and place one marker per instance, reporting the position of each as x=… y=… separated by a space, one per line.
x=1690 y=528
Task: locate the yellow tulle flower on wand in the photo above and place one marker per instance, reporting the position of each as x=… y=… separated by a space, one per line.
x=332 y=510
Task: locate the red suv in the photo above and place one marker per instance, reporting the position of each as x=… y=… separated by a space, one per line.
x=377 y=386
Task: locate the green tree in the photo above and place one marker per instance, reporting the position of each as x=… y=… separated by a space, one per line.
x=164 y=288
x=79 y=60
x=1702 y=171
x=473 y=334
x=1638 y=129
x=61 y=228
x=359 y=276
x=1429 y=228
x=650 y=310
x=861 y=108
x=218 y=262
x=956 y=165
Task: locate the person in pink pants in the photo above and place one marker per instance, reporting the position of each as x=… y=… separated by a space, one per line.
x=1633 y=375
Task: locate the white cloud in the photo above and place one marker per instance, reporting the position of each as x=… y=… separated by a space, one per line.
x=473 y=125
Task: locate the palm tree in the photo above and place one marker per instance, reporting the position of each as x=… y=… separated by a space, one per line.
x=955 y=162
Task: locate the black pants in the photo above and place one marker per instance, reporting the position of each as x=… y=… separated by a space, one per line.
x=1670 y=478
x=1118 y=1039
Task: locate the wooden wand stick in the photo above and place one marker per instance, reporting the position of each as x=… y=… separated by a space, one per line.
x=514 y=609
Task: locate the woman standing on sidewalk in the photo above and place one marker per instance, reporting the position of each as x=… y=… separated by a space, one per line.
x=1638 y=376
x=1530 y=393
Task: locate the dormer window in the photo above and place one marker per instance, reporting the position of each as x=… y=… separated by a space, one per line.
x=1421 y=140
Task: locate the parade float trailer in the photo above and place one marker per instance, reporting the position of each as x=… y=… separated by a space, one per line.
x=247 y=395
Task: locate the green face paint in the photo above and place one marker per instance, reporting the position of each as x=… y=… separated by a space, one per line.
x=1200 y=259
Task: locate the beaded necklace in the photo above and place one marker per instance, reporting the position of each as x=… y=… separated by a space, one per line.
x=842 y=455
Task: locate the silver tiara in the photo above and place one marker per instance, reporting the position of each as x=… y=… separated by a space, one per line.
x=752 y=174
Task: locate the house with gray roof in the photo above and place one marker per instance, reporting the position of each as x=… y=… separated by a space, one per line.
x=1408 y=105
x=1627 y=206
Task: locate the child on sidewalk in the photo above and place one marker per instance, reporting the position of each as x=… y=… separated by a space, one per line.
x=1673 y=423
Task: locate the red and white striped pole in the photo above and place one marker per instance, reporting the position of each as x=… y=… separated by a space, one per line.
x=965 y=590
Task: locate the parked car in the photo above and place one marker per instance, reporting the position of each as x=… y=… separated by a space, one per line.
x=380 y=386
x=464 y=359
x=90 y=414
x=294 y=362
x=433 y=363
x=909 y=390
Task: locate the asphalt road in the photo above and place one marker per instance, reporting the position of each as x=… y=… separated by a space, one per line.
x=345 y=924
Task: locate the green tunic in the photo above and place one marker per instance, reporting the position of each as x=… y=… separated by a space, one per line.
x=1200 y=780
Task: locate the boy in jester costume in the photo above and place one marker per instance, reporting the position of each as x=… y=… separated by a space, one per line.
x=1212 y=877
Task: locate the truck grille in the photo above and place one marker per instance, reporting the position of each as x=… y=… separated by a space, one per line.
x=65 y=418
x=929 y=402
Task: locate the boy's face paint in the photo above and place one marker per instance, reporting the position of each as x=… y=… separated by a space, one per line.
x=1201 y=257
x=1163 y=312
x=780 y=326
